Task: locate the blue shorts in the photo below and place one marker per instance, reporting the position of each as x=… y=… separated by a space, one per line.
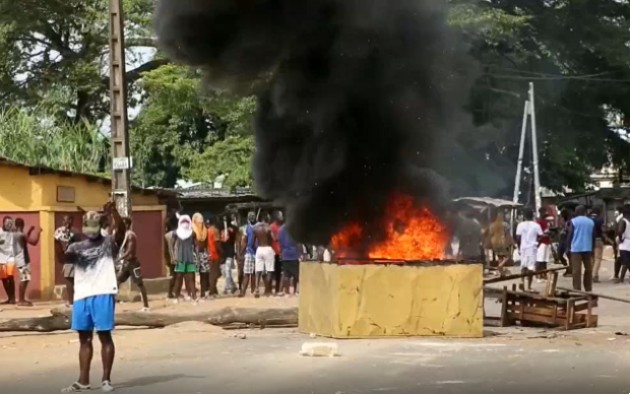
x=94 y=313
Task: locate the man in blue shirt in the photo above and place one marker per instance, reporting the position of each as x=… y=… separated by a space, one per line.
x=250 y=254
x=290 y=257
x=582 y=238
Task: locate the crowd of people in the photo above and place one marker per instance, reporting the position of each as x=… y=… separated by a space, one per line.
x=262 y=252
x=576 y=239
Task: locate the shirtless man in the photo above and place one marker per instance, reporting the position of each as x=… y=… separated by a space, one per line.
x=265 y=255
x=65 y=236
x=130 y=267
x=21 y=241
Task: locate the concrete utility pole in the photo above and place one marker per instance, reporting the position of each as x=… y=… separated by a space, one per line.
x=529 y=114
x=121 y=161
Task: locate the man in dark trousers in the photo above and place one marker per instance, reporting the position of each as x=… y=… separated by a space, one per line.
x=582 y=239
x=130 y=265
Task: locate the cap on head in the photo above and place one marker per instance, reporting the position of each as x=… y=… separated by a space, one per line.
x=92 y=223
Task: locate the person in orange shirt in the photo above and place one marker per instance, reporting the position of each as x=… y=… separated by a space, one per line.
x=214 y=256
x=275 y=230
x=7 y=259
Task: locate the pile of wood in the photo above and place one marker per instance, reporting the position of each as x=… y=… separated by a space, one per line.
x=554 y=308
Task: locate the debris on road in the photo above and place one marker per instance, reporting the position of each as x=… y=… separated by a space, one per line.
x=319 y=349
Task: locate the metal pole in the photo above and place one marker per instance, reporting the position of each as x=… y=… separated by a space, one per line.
x=532 y=109
x=121 y=161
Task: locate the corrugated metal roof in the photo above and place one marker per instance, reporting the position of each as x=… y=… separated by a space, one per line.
x=43 y=170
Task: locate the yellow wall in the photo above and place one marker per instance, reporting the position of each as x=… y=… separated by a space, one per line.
x=359 y=301
x=20 y=191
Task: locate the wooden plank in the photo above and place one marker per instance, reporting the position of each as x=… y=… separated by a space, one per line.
x=522 y=276
x=504 y=307
x=552 y=283
x=607 y=297
x=547 y=312
x=529 y=317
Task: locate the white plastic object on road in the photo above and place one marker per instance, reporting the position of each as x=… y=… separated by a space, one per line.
x=319 y=349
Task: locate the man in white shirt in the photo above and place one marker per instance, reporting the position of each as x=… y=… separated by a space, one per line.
x=528 y=235
x=95 y=289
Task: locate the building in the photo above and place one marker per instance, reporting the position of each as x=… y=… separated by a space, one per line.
x=43 y=196
x=211 y=201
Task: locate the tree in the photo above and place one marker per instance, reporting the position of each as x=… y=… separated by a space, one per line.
x=230 y=157
x=576 y=53
x=64 y=44
x=177 y=124
x=37 y=138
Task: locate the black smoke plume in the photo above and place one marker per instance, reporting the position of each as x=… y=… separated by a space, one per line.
x=357 y=98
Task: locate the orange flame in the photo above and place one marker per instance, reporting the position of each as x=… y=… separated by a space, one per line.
x=412 y=233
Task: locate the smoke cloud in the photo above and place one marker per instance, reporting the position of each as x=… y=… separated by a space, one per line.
x=357 y=98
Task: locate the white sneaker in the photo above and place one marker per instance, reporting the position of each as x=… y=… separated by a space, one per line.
x=107 y=387
x=145 y=310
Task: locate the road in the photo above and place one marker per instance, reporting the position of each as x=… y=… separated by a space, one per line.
x=189 y=359
x=193 y=358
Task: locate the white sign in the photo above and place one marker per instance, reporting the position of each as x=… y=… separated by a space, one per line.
x=122 y=163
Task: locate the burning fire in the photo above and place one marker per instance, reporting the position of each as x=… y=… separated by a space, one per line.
x=412 y=233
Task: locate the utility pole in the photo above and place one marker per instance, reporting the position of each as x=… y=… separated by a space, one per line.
x=532 y=112
x=529 y=113
x=121 y=161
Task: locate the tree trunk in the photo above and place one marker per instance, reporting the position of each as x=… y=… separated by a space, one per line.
x=60 y=319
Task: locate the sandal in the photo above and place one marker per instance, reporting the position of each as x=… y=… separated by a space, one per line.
x=76 y=387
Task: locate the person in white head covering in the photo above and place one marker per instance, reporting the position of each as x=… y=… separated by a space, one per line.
x=185 y=268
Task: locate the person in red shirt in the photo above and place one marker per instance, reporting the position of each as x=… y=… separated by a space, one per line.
x=544 y=248
x=275 y=231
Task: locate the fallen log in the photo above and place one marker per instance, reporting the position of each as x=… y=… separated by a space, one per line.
x=607 y=297
x=256 y=317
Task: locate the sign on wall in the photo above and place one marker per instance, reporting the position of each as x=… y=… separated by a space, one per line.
x=65 y=194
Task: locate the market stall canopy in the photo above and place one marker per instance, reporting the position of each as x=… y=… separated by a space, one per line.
x=486 y=202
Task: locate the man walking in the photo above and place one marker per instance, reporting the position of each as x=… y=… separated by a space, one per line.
x=130 y=265
x=95 y=293
x=600 y=239
x=624 y=243
x=582 y=238
x=528 y=235
x=64 y=237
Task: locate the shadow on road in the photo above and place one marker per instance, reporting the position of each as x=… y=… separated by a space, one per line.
x=152 y=380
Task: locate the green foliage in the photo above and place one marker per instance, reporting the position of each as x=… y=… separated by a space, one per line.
x=63 y=44
x=230 y=157
x=37 y=138
x=576 y=53
x=177 y=123
x=53 y=67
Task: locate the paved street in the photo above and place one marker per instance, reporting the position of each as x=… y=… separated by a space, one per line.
x=192 y=358
x=184 y=361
